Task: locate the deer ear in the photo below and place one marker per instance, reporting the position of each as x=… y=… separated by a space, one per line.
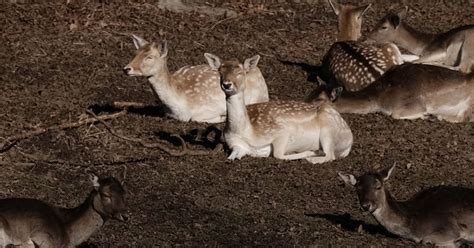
x=361 y=10
x=335 y=7
x=213 y=61
x=163 y=48
x=94 y=180
x=320 y=81
x=349 y=179
x=385 y=173
x=397 y=18
x=138 y=41
x=336 y=92
x=251 y=62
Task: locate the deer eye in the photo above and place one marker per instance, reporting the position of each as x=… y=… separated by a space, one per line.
x=384 y=28
x=378 y=187
x=148 y=57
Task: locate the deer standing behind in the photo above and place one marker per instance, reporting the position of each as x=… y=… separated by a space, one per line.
x=34 y=223
x=192 y=93
x=412 y=91
x=443 y=215
x=287 y=129
x=353 y=64
x=454 y=48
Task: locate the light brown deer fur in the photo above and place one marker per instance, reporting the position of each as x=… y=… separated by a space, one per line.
x=287 y=129
x=443 y=215
x=411 y=91
x=454 y=48
x=33 y=223
x=353 y=64
x=192 y=93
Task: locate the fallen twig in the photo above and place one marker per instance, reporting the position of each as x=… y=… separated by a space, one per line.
x=184 y=148
x=9 y=142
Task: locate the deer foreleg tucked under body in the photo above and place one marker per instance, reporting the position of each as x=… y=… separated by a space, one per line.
x=328 y=147
x=279 y=149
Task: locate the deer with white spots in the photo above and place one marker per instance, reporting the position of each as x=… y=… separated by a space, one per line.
x=286 y=129
x=443 y=215
x=192 y=93
x=454 y=48
x=34 y=223
x=412 y=91
x=351 y=63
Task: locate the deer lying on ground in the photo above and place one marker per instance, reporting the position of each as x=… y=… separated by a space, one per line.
x=351 y=63
x=454 y=48
x=193 y=92
x=443 y=216
x=33 y=223
x=411 y=91
x=287 y=129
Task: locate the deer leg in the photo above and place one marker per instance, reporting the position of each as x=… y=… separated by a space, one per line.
x=466 y=63
x=41 y=240
x=411 y=110
x=434 y=57
x=279 y=150
x=409 y=57
x=327 y=145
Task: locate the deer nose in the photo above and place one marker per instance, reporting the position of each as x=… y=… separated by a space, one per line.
x=366 y=206
x=127 y=70
x=226 y=86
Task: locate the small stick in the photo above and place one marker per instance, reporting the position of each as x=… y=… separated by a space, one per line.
x=9 y=142
x=184 y=148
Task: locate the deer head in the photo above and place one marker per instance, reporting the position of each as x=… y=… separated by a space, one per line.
x=232 y=72
x=369 y=187
x=388 y=28
x=109 y=201
x=149 y=60
x=349 y=20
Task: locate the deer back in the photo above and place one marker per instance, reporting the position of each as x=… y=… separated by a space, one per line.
x=355 y=65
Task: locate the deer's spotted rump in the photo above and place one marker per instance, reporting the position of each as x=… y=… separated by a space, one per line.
x=355 y=66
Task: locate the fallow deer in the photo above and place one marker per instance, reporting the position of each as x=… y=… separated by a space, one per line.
x=34 y=223
x=192 y=93
x=443 y=215
x=454 y=48
x=288 y=130
x=412 y=91
x=351 y=63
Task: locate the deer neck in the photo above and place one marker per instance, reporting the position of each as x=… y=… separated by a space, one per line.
x=392 y=215
x=413 y=40
x=237 y=116
x=164 y=88
x=81 y=222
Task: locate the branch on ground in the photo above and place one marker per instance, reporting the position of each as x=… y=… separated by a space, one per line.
x=11 y=141
x=184 y=147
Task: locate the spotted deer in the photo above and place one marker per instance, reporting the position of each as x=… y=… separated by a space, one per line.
x=412 y=91
x=454 y=48
x=353 y=64
x=443 y=215
x=34 y=223
x=289 y=130
x=192 y=93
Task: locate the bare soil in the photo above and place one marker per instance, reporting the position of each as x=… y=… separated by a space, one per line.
x=57 y=60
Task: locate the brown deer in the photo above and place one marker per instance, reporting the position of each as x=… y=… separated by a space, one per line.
x=443 y=216
x=34 y=223
x=192 y=93
x=411 y=91
x=454 y=48
x=351 y=63
x=287 y=129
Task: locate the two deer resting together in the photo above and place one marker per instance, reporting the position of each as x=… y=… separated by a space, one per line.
x=375 y=80
x=210 y=93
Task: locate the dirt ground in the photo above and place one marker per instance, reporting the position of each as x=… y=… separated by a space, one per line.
x=58 y=60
